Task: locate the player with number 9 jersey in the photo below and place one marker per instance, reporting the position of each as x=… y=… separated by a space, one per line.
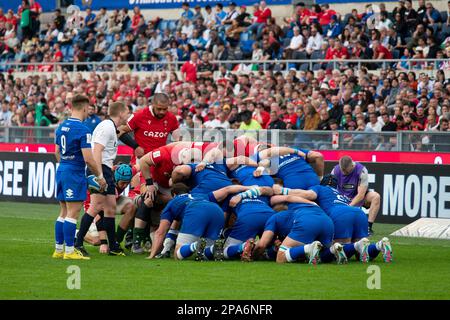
x=71 y=137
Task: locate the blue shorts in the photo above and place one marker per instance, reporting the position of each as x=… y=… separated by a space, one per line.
x=250 y=222
x=349 y=222
x=361 y=227
x=71 y=186
x=311 y=226
x=203 y=219
x=305 y=181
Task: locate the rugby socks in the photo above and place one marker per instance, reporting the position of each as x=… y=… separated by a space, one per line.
x=120 y=234
x=295 y=253
x=85 y=223
x=109 y=223
x=138 y=235
x=326 y=255
x=170 y=240
x=233 y=251
x=186 y=250
x=349 y=250
x=374 y=250
x=209 y=253
x=59 y=234
x=70 y=228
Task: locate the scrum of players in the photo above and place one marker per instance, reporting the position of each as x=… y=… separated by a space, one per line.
x=251 y=201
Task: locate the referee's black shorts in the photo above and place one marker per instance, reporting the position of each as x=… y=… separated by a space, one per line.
x=109 y=177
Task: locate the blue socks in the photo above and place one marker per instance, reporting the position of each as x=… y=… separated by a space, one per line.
x=349 y=250
x=373 y=251
x=70 y=228
x=59 y=234
x=209 y=253
x=233 y=251
x=293 y=254
x=326 y=255
x=172 y=234
x=186 y=251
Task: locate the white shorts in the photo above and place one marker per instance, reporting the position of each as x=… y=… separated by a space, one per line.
x=184 y=238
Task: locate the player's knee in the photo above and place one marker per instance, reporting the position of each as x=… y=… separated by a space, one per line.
x=128 y=210
x=281 y=257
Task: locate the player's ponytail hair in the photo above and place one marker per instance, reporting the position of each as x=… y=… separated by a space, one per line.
x=79 y=101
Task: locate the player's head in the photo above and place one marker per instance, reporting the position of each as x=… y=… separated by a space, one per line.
x=346 y=164
x=179 y=188
x=329 y=180
x=160 y=105
x=118 y=110
x=123 y=175
x=80 y=106
x=181 y=173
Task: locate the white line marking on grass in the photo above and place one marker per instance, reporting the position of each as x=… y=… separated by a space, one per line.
x=27 y=240
x=26 y=218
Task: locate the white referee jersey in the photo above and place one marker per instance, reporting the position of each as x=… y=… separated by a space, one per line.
x=105 y=134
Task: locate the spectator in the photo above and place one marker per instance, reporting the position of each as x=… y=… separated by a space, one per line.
x=247 y=122
x=262 y=14
x=187 y=13
x=276 y=122
x=189 y=69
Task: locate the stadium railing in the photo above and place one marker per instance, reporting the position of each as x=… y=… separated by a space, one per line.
x=305 y=64
x=418 y=141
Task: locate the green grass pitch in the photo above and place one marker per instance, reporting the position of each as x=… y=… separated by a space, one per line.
x=421 y=270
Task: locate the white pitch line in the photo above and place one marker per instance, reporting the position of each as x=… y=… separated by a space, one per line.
x=26 y=218
x=27 y=240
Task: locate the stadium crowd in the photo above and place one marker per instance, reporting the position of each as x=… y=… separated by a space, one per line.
x=317 y=32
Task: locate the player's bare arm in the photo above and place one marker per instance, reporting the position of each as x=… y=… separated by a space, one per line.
x=223 y=193
x=145 y=163
x=315 y=159
x=362 y=189
x=279 y=151
x=235 y=162
x=307 y=194
x=57 y=155
x=160 y=233
x=291 y=199
x=263 y=243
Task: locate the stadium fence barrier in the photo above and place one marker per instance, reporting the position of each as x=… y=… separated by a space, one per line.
x=416 y=141
x=241 y=65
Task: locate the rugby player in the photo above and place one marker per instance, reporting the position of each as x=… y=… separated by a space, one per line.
x=350 y=223
x=311 y=230
x=73 y=152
